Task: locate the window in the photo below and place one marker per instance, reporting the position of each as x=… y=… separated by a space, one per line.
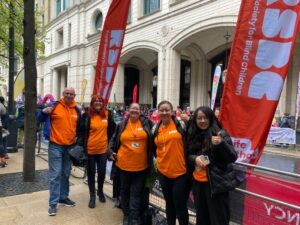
x=59 y=38
x=150 y=6
x=98 y=21
x=61 y=6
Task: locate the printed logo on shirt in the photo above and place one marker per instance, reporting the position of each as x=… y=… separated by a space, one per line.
x=139 y=129
x=104 y=121
x=172 y=131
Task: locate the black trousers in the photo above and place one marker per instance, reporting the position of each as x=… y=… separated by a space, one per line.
x=176 y=193
x=132 y=187
x=210 y=210
x=94 y=161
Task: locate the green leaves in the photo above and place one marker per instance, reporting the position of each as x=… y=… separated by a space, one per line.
x=13 y=16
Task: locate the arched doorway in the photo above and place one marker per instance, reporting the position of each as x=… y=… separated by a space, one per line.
x=131 y=78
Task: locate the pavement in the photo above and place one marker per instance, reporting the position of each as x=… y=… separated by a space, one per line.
x=32 y=208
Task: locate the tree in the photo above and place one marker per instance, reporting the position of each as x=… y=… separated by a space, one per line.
x=5 y=23
x=29 y=55
x=17 y=23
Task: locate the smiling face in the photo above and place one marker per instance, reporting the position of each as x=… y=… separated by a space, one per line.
x=69 y=95
x=165 y=112
x=134 y=111
x=202 y=121
x=97 y=105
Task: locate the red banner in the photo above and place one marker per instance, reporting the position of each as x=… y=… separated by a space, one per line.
x=262 y=211
x=262 y=48
x=134 y=93
x=110 y=47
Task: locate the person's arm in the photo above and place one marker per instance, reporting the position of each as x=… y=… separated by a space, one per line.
x=111 y=126
x=81 y=130
x=224 y=149
x=43 y=114
x=111 y=154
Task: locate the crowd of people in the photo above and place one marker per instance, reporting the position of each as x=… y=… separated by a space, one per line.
x=189 y=150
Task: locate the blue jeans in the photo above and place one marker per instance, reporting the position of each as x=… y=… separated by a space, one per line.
x=59 y=172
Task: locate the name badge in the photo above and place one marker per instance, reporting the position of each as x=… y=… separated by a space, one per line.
x=139 y=129
x=173 y=132
x=104 y=121
x=135 y=145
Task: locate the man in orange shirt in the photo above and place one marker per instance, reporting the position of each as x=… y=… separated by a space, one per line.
x=64 y=118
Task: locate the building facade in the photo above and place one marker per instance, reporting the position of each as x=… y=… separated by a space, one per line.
x=170 y=50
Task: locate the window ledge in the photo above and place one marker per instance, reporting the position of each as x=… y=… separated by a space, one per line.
x=175 y=2
x=149 y=14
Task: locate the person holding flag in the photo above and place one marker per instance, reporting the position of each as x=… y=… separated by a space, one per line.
x=211 y=154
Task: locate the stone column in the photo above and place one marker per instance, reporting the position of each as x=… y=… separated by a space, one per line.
x=54 y=90
x=118 y=86
x=63 y=80
x=169 y=76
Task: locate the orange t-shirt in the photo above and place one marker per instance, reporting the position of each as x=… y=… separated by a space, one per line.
x=97 y=142
x=132 y=154
x=201 y=175
x=170 y=151
x=63 y=123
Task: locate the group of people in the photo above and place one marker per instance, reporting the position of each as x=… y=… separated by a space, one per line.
x=194 y=153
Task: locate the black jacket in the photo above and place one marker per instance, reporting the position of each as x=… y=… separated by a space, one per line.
x=84 y=129
x=114 y=143
x=221 y=175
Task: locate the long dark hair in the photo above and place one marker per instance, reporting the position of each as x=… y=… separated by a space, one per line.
x=198 y=139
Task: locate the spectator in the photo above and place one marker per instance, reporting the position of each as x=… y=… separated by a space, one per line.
x=5 y=119
x=96 y=128
x=64 y=119
x=2 y=148
x=169 y=139
x=217 y=112
x=286 y=121
x=131 y=148
x=211 y=154
x=20 y=122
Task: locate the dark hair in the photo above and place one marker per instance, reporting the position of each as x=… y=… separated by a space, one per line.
x=2 y=100
x=165 y=102
x=198 y=138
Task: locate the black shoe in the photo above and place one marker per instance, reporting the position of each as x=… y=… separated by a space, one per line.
x=52 y=210
x=92 y=202
x=67 y=202
x=102 y=197
x=126 y=220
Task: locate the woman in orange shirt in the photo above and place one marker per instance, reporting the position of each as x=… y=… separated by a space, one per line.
x=131 y=148
x=211 y=154
x=96 y=128
x=169 y=138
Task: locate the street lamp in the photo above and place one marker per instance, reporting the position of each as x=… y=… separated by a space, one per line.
x=226 y=36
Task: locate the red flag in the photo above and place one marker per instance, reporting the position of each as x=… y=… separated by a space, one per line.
x=264 y=39
x=263 y=43
x=110 y=47
x=134 y=93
